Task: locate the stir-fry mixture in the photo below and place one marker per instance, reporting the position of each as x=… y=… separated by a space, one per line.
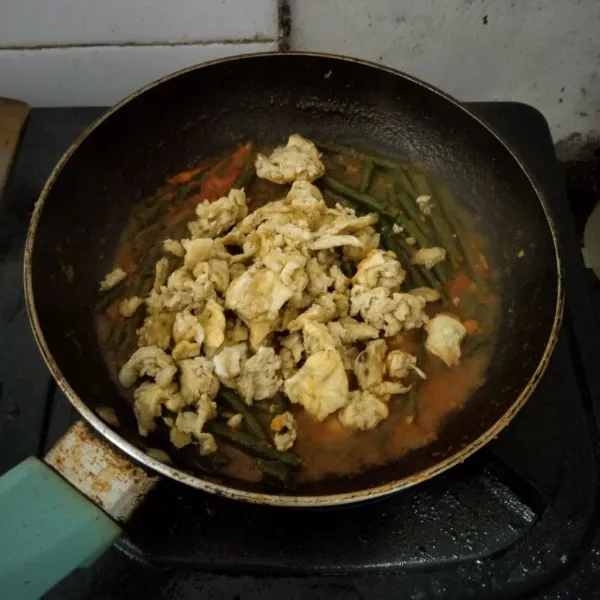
x=320 y=320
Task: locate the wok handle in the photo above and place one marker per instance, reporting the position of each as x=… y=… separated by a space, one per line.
x=56 y=515
x=47 y=529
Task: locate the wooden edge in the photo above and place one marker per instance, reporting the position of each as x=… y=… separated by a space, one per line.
x=13 y=117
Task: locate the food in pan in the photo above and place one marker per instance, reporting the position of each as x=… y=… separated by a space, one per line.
x=297 y=313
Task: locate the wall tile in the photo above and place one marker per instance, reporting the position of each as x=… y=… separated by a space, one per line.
x=542 y=52
x=95 y=76
x=79 y=22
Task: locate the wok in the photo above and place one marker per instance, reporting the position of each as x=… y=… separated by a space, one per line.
x=201 y=112
x=207 y=109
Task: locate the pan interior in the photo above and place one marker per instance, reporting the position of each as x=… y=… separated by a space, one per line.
x=207 y=110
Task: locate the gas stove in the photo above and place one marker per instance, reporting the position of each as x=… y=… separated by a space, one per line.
x=517 y=519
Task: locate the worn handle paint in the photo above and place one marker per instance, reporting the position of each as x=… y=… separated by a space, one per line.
x=47 y=529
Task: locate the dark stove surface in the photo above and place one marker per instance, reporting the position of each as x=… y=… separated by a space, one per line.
x=519 y=518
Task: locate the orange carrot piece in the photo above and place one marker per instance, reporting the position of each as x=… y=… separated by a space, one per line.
x=127 y=263
x=214 y=187
x=184 y=176
x=112 y=311
x=472 y=326
x=459 y=284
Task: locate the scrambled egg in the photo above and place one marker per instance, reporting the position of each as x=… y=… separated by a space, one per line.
x=399 y=364
x=228 y=363
x=129 y=305
x=429 y=257
x=216 y=217
x=363 y=411
x=321 y=385
x=444 y=335
x=298 y=160
x=284 y=426
x=259 y=378
x=112 y=279
x=259 y=303
x=149 y=361
x=380 y=269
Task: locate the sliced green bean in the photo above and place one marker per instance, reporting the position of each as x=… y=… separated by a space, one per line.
x=426 y=274
x=109 y=296
x=419 y=182
x=406 y=183
x=358 y=154
x=420 y=186
x=414 y=378
x=461 y=242
x=257 y=448
x=369 y=202
x=410 y=207
x=273 y=469
x=373 y=204
x=390 y=243
x=474 y=343
x=367 y=173
x=245 y=179
x=348 y=268
x=218 y=459
x=280 y=404
x=236 y=404
x=444 y=237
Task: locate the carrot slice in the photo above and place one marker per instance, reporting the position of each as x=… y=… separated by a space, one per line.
x=184 y=176
x=459 y=285
x=215 y=186
x=112 y=311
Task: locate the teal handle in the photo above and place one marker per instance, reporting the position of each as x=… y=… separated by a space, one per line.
x=47 y=529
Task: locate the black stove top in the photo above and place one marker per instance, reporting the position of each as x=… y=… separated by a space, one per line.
x=517 y=519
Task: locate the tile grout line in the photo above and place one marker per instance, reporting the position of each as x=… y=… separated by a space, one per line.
x=221 y=42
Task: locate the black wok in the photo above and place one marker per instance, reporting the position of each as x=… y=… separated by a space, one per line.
x=205 y=110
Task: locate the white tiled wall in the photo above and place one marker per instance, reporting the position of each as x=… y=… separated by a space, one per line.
x=543 y=52
x=100 y=75
x=52 y=22
x=94 y=52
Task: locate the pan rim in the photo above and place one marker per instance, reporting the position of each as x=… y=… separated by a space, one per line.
x=227 y=491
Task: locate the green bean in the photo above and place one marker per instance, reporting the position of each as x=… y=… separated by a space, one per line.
x=420 y=186
x=461 y=242
x=374 y=205
x=415 y=379
x=474 y=343
x=280 y=404
x=109 y=296
x=433 y=282
x=444 y=237
x=441 y=226
x=264 y=406
x=257 y=448
x=411 y=208
x=245 y=179
x=348 y=268
x=367 y=173
x=358 y=154
x=273 y=469
x=390 y=243
x=406 y=183
x=426 y=274
x=369 y=202
x=236 y=404
x=218 y=459
x=419 y=182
